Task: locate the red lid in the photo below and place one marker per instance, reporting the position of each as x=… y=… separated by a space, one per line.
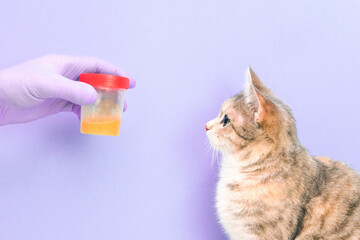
x=104 y=81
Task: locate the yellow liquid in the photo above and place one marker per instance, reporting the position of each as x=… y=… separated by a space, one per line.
x=108 y=127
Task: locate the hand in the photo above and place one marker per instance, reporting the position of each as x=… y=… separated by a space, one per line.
x=47 y=85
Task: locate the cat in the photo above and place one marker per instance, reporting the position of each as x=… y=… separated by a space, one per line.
x=269 y=186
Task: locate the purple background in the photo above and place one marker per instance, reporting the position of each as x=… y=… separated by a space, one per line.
x=155 y=180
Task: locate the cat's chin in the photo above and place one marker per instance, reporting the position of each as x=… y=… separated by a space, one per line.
x=216 y=146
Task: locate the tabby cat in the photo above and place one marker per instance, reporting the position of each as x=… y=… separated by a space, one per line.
x=269 y=186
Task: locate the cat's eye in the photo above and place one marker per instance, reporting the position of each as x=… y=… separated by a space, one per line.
x=226 y=120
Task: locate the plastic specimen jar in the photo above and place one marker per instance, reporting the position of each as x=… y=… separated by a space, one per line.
x=104 y=116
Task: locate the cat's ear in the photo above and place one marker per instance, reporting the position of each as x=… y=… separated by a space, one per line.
x=254 y=80
x=263 y=106
x=258 y=98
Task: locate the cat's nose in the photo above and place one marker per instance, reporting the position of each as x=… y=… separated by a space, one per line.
x=206 y=127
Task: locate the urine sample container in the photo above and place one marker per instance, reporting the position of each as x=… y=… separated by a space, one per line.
x=104 y=116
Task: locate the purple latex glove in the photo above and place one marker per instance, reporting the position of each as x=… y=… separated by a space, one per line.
x=45 y=86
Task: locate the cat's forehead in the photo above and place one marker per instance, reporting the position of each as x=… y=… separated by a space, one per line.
x=228 y=104
x=233 y=102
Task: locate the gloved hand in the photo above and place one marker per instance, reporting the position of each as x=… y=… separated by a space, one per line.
x=48 y=85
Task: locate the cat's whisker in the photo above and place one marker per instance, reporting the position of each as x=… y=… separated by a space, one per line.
x=213 y=159
x=210 y=150
x=217 y=155
x=206 y=144
x=222 y=150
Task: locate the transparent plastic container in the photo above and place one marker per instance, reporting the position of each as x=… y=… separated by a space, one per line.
x=104 y=116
